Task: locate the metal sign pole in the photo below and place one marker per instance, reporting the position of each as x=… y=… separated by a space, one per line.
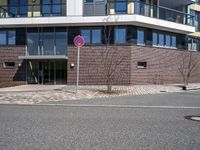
x=77 y=73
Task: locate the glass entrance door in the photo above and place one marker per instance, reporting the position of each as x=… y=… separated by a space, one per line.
x=47 y=72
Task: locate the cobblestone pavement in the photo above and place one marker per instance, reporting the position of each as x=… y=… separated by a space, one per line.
x=35 y=94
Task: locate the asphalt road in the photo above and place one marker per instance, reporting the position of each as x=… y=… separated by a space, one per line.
x=99 y=127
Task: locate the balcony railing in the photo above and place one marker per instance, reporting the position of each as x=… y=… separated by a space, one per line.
x=36 y=10
x=139 y=8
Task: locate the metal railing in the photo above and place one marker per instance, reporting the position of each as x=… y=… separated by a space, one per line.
x=139 y=8
x=35 y=10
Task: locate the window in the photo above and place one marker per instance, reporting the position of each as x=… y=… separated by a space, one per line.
x=17 y=7
x=11 y=38
x=163 y=39
x=3 y=37
x=121 y=6
x=96 y=36
x=91 y=36
x=48 y=41
x=193 y=44
x=168 y=40
x=9 y=64
x=141 y=65
x=33 y=42
x=173 y=41
x=120 y=35
x=86 y=35
x=61 y=43
x=88 y=1
x=140 y=37
x=7 y=38
x=155 y=39
x=51 y=7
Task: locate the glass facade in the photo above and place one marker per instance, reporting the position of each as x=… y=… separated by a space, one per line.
x=47 y=41
x=54 y=40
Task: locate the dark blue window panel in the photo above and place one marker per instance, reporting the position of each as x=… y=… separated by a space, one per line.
x=155 y=38
x=140 y=36
x=11 y=37
x=161 y=39
x=3 y=37
x=120 y=6
x=86 y=35
x=120 y=35
x=96 y=36
x=173 y=41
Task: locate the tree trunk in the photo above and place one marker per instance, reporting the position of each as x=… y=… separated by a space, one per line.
x=109 y=86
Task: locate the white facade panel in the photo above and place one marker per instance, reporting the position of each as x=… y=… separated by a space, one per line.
x=100 y=20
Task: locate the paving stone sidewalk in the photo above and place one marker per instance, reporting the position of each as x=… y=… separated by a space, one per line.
x=35 y=94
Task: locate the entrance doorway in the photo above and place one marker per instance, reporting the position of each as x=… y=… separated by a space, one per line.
x=47 y=72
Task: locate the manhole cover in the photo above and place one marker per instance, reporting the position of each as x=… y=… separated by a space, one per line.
x=193 y=118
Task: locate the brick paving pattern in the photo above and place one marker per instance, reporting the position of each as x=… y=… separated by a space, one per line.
x=35 y=94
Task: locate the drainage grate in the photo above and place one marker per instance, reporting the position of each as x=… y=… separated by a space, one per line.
x=193 y=118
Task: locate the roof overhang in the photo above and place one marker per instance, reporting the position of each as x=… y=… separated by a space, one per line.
x=138 y=20
x=175 y=3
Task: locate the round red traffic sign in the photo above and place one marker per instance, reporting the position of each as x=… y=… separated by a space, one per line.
x=79 y=41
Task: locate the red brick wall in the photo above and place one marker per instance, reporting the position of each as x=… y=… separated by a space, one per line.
x=16 y=74
x=162 y=65
x=91 y=71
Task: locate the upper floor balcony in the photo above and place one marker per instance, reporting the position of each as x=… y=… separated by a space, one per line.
x=25 y=8
x=130 y=7
x=160 y=14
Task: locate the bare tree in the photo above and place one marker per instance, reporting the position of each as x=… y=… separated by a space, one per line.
x=109 y=59
x=188 y=64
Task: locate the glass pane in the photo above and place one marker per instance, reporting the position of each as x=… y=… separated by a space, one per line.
x=120 y=6
x=140 y=37
x=23 y=7
x=11 y=38
x=168 y=40
x=57 y=9
x=174 y=41
x=12 y=8
x=61 y=72
x=48 y=43
x=46 y=9
x=161 y=39
x=46 y=1
x=120 y=35
x=96 y=36
x=32 y=72
x=52 y=72
x=33 y=43
x=2 y=37
x=155 y=38
x=61 y=43
x=46 y=73
x=86 y=35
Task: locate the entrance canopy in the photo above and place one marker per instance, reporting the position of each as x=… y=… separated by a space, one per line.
x=39 y=57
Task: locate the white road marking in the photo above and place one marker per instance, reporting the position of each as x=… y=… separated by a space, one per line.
x=110 y=106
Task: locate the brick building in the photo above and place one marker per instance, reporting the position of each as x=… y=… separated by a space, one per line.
x=36 y=40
